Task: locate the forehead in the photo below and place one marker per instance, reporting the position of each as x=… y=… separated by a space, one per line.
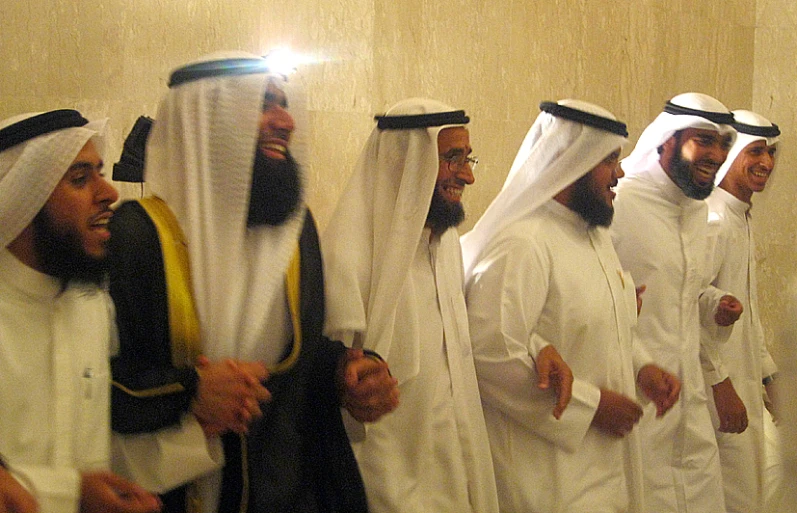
x=87 y=154
x=760 y=144
x=453 y=138
x=703 y=133
x=274 y=94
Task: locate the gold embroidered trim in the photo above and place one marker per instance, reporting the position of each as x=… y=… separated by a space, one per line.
x=183 y=321
x=293 y=289
x=171 y=388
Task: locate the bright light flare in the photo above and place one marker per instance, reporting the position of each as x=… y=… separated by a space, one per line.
x=284 y=61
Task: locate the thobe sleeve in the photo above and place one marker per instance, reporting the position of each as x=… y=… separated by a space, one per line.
x=712 y=334
x=166 y=459
x=505 y=301
x=149 y=393
x=768 y=365
x=57 y=490
x=640 y=357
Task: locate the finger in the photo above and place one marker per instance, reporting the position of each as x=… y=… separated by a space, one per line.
x=254 y=372
x=565 y=378
x=260 y=393
x=543 y=373
x=564 y=393
x=252 y=407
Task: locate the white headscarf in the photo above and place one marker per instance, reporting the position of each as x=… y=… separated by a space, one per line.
x=696 y=110
x=745 y=122
x=30 y=171
x=200 y=156
x=371 y=240
x=555 y=153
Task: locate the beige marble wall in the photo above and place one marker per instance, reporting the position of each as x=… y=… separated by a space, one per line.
x=496 y=59
x=775 y=96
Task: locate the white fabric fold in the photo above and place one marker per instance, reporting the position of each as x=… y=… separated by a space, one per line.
x=207 y=130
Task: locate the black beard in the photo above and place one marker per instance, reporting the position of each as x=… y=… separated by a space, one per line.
x=62 y=256
x=588 y=204
x=681 y=173
x=276 y=190
x=443 y=214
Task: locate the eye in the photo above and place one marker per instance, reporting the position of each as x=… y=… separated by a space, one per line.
x=271 y=100
x=79 y=179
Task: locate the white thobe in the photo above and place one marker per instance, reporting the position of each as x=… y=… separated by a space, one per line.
x=432 y=452
x=54 y=382
x=660 y=237
x=744 y=355
x=552 y=279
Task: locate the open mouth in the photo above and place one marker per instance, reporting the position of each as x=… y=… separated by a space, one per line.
x=100 y=224
x=453 y=193
x=706 y=172
x=275 y=149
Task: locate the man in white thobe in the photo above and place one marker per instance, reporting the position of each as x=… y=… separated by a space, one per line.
x=56 y=318
x=659 y=232
x=745 y=357
x=393 y=270
x=545 y=274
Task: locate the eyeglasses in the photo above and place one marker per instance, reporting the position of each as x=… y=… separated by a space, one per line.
x=457 y=162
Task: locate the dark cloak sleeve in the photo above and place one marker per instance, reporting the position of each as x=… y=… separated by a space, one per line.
x=148 y=392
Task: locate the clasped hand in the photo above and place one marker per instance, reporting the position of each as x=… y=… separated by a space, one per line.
x=229 y=395
x=728 y=311
x=367 y=390
x=617 y=414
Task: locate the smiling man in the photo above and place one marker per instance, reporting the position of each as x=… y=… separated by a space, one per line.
x=660 y=235
x=545 y=277
x=739 y=421
x=229 y=197
x=394 y=285
x=56 y=322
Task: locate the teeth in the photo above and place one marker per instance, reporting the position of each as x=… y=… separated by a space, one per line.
x=275 y=147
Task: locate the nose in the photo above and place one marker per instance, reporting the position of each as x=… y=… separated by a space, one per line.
x=465 y=174
x=718 y=152
x=105 y=193
x=282 y=120
x=768 y=161
x=618 y=171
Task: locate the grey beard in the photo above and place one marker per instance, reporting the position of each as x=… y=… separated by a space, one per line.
x=681 y=173
x=61 y=255
x=275 y=192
